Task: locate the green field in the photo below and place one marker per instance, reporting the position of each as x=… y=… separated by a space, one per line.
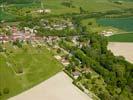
x=6 y=16
x=35 y=63
x=127 y=37
x=125 y=24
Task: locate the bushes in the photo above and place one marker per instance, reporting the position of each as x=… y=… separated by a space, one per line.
x=20 y=70
x=1 y=49
x=67 y=4
x=74 y=82
x=18 y=43
x=6 y=91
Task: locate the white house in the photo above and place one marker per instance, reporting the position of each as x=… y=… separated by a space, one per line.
x=47 y=11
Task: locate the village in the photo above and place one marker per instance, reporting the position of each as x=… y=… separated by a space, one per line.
x=66 y=49
x=51 y=42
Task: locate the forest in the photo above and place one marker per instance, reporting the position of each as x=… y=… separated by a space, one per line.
x=114 y=70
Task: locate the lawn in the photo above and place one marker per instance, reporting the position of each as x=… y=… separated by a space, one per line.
x=127 y=37
x=36 y=65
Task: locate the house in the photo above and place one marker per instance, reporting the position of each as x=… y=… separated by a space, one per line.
x=65 y=61
x=4 y=38
x=47 y=11
x=14 y=29
x=18 y=35
x=86 y=70
x=59 y=28
x=28 y=30
x=74 y=40
x=76 y=74
x=107 y=33
x=40 y=11
x=43 y=11
x=58 y=57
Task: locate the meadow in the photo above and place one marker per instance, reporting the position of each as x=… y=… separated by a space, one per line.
x=23 y=68
x=127 y=37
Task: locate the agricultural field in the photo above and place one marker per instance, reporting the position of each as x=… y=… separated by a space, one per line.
x=22 y=68
x=58 y=7
x=125 y=24
x=117 y=25
x=33 y=31
x=6 y=16
x=100 y=5
x=94 y=27
x=127 y=37
x=64 y=90
x=122 y=0
x=122 y=49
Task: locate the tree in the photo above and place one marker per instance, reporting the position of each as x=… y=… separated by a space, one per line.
x=18 y=43
x=84 y=29
x=121 y=82
x=81 y=10
x=67 y=4
x=90 y=23
x=104 y=95
x=1 y=48
x=58 y=50
x=20 y=70
x=6 y=90
x=88 y=75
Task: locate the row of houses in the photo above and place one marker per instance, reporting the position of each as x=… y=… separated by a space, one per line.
x=57 y=25
x=26 y=34
x=15 y=37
